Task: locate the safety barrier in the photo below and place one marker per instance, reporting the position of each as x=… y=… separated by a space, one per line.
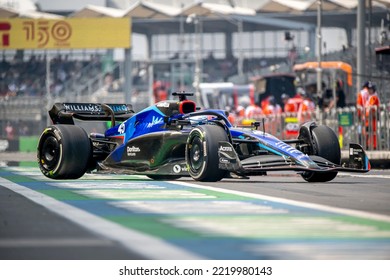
x=368 y=126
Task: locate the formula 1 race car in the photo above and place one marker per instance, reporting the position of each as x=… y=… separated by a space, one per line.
x=173 y=138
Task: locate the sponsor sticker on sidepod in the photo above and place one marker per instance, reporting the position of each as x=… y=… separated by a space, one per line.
x=132 y=151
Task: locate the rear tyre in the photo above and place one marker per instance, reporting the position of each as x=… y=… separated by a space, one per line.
x=202 y=153
x=326 y=145
x=64 y=152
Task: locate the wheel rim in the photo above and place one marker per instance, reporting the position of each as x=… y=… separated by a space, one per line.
x=50 y=153
x=196 y=154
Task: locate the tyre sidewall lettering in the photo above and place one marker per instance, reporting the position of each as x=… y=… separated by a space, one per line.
x=201 y=134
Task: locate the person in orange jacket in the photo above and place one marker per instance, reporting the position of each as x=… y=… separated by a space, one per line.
x=290 y=104
x=306 y=107
x=231 y=115
x=272 y=108
x=159 y=91
x=298 y=98
x=371 y=108
x=362 y=98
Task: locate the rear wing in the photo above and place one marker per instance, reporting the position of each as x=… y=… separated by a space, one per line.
x=64 y=113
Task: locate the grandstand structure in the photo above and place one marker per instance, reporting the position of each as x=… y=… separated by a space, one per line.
x=185 y=42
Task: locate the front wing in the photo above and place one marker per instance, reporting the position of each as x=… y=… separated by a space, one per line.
x=229 y=160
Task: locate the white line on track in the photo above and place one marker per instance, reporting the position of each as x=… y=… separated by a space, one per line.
x=144 y=244
x=367 y=175
x=342 y=211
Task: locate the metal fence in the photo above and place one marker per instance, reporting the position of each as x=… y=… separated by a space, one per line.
x=369 y=127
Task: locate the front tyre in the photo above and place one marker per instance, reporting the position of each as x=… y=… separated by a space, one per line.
x=64 y=152
x=325 y=145
x=202 y=153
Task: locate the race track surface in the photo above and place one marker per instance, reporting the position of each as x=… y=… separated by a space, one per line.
x=270 y=217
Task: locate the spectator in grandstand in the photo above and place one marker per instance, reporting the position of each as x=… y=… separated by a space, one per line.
x=32 y=65
x=57 y=87
x=3 y=89
x=110 y=85
x=23 y=128
x=12 y=79
x=10 y=131
x=27 y=76
x=4 y=65
x=32 y=88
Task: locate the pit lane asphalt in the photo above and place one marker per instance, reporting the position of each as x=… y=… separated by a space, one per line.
x=369 y=192
x=30 y=231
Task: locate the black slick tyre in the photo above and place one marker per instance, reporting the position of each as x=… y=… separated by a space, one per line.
x=64 y=152
x=325 y=145
x=202 y=153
